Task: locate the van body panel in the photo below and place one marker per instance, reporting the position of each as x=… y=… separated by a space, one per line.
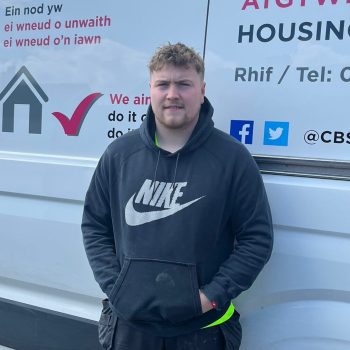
x=301 y=298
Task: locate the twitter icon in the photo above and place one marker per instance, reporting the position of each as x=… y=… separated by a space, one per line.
x=276 y=133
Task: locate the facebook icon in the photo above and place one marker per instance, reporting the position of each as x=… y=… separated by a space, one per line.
x=242 y=130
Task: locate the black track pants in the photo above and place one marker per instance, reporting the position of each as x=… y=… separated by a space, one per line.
x=116 y=334
x=128 y=338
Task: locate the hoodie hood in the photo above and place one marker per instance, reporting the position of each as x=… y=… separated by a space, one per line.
x=201 y=132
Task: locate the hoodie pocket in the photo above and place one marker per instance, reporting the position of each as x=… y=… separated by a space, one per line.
x=156 y=291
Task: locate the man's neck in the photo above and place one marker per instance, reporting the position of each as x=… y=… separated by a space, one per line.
x=172 y=140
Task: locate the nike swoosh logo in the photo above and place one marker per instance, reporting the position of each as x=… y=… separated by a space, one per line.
x=135 y=218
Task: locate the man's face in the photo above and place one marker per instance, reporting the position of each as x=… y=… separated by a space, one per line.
x=176 y=96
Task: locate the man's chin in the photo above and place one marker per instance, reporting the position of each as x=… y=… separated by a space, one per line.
x=173 y=121
x=174 y=124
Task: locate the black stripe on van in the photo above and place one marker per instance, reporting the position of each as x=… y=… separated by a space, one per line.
x=27 y=327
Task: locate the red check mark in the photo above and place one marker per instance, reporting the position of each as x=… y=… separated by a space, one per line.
x=71 y=126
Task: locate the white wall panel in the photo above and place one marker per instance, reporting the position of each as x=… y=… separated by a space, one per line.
x=302 y=298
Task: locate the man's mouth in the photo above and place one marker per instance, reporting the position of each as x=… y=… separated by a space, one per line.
x=175 y=107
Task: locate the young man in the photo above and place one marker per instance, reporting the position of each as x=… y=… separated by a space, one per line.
x=176 y=221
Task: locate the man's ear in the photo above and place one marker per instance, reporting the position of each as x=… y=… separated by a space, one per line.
x=203 y=90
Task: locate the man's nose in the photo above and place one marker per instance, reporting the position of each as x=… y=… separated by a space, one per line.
x=172 y=92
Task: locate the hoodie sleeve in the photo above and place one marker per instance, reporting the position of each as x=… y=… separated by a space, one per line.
x=252 y=226
x=97 y=228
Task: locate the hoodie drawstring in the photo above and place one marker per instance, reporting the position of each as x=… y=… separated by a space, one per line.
x=155 y=175
x=174 y=178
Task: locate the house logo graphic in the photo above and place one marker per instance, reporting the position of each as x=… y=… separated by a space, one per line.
x=22 y=93
x=23 y=89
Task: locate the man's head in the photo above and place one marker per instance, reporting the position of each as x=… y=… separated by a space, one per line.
x=177 y=86
x=177 y=55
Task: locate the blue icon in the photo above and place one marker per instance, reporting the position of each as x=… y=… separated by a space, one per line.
x=276 y=133
x=242 y=130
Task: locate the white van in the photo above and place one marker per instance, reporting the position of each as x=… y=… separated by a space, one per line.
x=73 y=77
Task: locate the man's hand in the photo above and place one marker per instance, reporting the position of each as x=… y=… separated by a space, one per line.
x=205 y=302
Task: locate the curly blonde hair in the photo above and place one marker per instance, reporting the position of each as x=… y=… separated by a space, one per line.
x=178 y=55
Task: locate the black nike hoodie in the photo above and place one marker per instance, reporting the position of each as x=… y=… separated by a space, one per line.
x=159 y=226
